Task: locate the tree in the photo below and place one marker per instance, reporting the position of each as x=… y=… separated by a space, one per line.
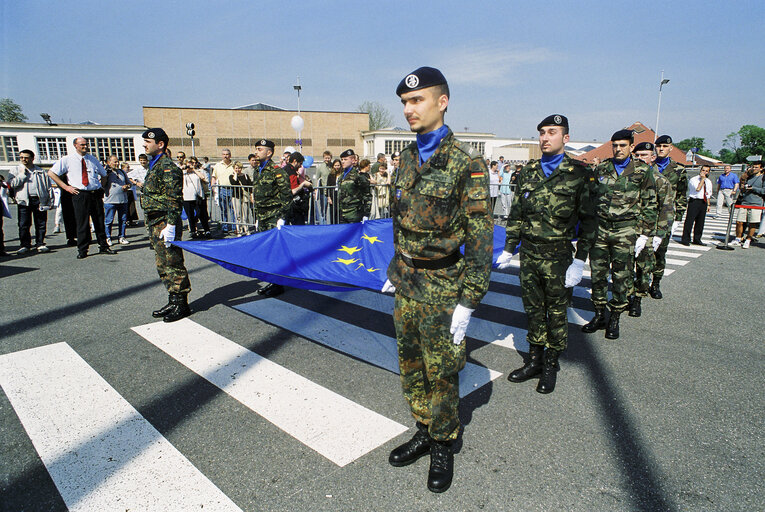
x=10 y=111
x=731 y=152
x=694 y=142
x=379 y=117
x=749 y=140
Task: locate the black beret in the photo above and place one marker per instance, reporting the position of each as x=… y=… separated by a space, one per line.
x=395 y=154
x=644 y=146
x=265 y=143
x=157 y=134
x=622 y=135
x=347 y=153
x=419 y=79
x=554 y=120
x=664 y=139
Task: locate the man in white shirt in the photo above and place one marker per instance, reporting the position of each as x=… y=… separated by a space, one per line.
x=699 y=192
x=220 y=176
x=84 y=173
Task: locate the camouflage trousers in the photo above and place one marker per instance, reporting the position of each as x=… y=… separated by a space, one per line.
x=169 y=260
x=267 y=220
x=644 y=265
x=545 y=299
x=660 y=257
x=614 y=253
x=429 y=363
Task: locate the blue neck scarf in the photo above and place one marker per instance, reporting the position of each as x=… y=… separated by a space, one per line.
x=155 y=160
x=662 y=163
x=550 y=163
x=620 y=166
x=427 y=143
x=262 y=166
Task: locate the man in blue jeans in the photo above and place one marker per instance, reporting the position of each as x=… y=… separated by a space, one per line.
x=117 y=187
x=220 y=176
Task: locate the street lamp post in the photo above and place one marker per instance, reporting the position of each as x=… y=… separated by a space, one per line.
x=297 y=121
x=658 y=109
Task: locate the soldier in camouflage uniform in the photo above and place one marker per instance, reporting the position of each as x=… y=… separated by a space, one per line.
x=624 y=194
x=440 y=202
x=645 y=261
x=553 y=196
x=677 y=198
x=353 y=191
x=272 y=198
x=162 y=202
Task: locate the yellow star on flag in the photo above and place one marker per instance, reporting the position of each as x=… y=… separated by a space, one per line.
x=372 y=269
x=371 y=239
x=349 y=250
x=345 y=261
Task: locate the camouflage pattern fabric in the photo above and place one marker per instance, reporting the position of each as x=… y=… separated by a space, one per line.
x=354 y=196
x=272 y=194
x=678 y=198
x=162 y=194
x=646 y=260
x=429 y=364
x=436 y=208
x=626 y=206
x=170 y=266
x=544 y=217
x=644 y=265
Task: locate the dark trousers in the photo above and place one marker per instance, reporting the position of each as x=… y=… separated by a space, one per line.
x=197 y=210
x=132 y=211
x=89 y=204
x=26 y=214
x=67 y=212
x=2 y=235
x=694 y=218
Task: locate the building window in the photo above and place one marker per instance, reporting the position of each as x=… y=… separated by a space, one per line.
x=103 y=147
x=10 y=149
x=395 y=145
x=51 y=148
x=479 y=146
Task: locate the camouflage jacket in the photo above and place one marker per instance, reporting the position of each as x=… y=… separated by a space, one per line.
x=678 y=178
x=664 y=204
x=354 y=195
x=629 y=197
x=436 y=208
x=547 y=210
x=271 y=192
x=162 y=197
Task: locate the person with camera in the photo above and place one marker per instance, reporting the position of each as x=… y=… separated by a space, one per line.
x=32 y=190
x=699 y=192
x=752 y=194
x=301 y=189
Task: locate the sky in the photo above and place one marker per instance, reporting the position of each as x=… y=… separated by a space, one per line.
x=509 y=64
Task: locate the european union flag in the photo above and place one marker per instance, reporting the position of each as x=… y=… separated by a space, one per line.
x=331 y=257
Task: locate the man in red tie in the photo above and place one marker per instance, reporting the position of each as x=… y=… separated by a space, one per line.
x=699 y=192
x=85 y=174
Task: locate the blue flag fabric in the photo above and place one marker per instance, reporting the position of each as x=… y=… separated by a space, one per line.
x=332 y=257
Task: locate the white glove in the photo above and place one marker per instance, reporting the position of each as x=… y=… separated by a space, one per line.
x=504 y=259
x=656 y=243
x=460 y=320
x=167 y=234
x=574 y=273
x=640 y=244
x=388 y=287
x=279 y=223
x=364 y=219
x=675 y=224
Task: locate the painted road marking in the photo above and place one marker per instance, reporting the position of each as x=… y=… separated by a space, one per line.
x=100 y=452
x=338 y=428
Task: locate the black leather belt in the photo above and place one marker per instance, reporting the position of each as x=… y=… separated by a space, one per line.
x=446 y=261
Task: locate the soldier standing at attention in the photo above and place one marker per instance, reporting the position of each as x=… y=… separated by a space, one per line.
x=553 y=197
x=272 y=197
x=354 y=193
x=624 y=195
x=645 y=262
x=677 y=198
x=440 y=202
x=162 y=202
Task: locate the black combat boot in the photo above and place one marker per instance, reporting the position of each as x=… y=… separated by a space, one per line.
x=532 y=368
x=179 y=307
x=549 y=372
x=612 y=331
x=164 y=310
x=654 y=289
x=635 y=309
x=441 y=466
x=413 y=449
x=597 y=322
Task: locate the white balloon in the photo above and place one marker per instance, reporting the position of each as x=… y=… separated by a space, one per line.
x=297 y=123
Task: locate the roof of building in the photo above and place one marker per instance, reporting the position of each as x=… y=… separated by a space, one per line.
x=642 y=134
x=258 y=106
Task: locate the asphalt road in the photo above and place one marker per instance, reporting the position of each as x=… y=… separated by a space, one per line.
x=668 y=417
